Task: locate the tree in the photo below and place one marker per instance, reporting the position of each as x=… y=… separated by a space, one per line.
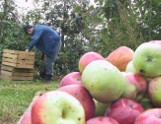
x=84 y=27
x=10 y=28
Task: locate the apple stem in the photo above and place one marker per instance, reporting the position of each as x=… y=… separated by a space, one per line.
x=149 y=58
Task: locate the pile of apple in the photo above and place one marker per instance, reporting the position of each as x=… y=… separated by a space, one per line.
x=122 y=88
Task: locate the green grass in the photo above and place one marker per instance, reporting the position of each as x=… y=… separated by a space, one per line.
x=15 y=96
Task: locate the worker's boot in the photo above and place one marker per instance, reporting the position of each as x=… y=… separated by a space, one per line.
x=42 y=74
x=48 y=78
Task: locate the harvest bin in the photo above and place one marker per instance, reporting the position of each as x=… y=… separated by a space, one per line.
x=18 y=59
x=16 y=74
x=17 y=65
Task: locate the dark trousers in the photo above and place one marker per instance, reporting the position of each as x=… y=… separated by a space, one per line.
x=50 y=61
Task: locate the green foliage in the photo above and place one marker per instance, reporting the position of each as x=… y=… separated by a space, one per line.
x=11 y=36
x=83 y=27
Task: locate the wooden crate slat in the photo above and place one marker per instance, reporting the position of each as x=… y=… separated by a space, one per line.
x=24 y=52
x=16 y=78
x=23 y=57
x=20 y=74
x=8 y=68
x=3 y=72
x=9 y=60
x=13 y=69
x=25 y=62
x=14 y=56
x=8 y=63
x=17 y=52
x=24 y=70
x=19 y=56
x=3 y=76
x=24 y=66
x=21 y=78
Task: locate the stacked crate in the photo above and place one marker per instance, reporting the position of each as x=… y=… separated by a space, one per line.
x=17 y=65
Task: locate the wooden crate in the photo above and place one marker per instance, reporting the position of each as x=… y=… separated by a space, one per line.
x=18 y=59
x=16 y=74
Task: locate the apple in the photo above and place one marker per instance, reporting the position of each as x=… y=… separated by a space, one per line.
x=88 y=57
x=155 y=42
x=102 y=120
x=71 y=78
x=150 y=116
x=124 y=110
x=100 y=108
x=136 y=86
x=130 y=67
x=154 y=91
x=103 y=80
x=120 y=57
x=147 y=59
x=26 y=117
x=83 y=96
x=57 y=107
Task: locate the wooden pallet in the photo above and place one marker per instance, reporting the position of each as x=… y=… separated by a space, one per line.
x=16 y=74
x=18 y=59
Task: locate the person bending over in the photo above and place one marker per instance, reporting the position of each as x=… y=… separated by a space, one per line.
x=48 y=41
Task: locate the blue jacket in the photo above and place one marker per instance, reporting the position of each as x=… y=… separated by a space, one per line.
x=45 y=39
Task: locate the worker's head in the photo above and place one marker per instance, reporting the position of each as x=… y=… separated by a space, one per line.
x=28 y=29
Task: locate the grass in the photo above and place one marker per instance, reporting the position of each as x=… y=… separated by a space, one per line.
x=15 y=96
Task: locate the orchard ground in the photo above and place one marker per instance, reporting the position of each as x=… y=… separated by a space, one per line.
x=15 y=96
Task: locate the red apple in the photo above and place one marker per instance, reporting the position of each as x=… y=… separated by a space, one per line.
x=26 y=117
x=71 y=78
x=136 y=86
x=154 y=91
x=155 y=42
x=83 y=96
x=120 y=57
x=88 y=57
x=150 y=116
x=102 y=120
x=57 y=107
x=124 y=110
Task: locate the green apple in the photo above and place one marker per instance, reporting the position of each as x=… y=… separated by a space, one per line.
x=57 y=107
x=130 y=67
x=103 y=80
x=100 y=108
x=147 y=59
